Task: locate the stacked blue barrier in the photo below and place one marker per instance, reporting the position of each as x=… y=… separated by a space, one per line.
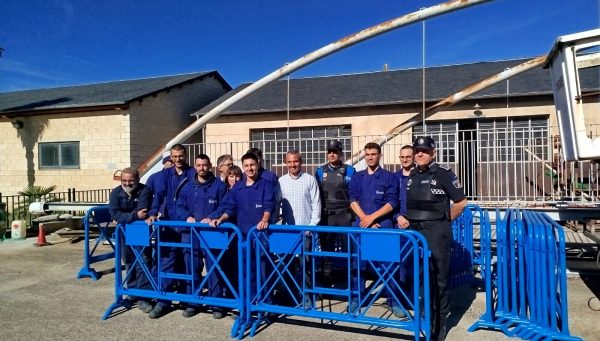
x=384 y=252
x=209 y=242
x=462 y=249
x=98 y=218
x=525 y=277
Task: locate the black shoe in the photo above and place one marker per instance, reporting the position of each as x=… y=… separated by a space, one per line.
x=396 y=309
x=159 y=310
x=307 y=303
x=218 y=313
x=189 y=312
x=352 y=306
x=144 y=306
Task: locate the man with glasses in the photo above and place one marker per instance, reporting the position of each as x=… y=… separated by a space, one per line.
x=127 y=203
x=430 y=189
x=333 y=179
x=407 y=162
x=224 y=162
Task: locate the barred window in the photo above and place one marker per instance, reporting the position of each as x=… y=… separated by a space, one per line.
x=310 y=141
x=59 y=155
x=520 y=140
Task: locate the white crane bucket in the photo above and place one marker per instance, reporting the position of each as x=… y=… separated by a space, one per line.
x=570 y=54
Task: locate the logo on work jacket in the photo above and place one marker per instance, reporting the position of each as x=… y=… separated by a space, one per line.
x=258 y=205
x=379 y=192
x=212 y=201
x=433 y=182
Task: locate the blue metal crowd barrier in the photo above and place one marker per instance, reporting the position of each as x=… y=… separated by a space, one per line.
x=209 y=243
x=98 y=217
x=462 y=250
x=525 y=279
x=283 y=262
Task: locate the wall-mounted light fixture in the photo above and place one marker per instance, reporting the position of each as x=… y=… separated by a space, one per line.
x=477 y=110
x=18 y=124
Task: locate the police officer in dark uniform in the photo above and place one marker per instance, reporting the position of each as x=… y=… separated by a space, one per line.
x=334 y=178
x=430 y=189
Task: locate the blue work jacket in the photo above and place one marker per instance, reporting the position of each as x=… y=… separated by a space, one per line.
x=124 y=208
x=373 y=191
x=199 y=199
x=167 y=190
x=245 y=205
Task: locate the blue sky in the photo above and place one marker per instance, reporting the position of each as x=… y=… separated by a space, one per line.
x=50 y=43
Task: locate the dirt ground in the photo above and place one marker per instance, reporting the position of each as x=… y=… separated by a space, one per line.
x=40 y=298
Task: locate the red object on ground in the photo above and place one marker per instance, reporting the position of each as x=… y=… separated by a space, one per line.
x=41 y=241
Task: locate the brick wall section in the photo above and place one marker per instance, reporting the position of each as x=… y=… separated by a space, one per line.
x=156 y=120
x=109 y=140
x=103 y=144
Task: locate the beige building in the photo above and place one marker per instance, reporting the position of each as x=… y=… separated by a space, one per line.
x=78 y=137
x=497 y=138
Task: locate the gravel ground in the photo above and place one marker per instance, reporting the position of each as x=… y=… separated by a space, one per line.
x=40 y=298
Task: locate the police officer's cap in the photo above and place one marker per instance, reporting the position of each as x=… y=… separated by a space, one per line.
x=424 y=142
x=334 y=145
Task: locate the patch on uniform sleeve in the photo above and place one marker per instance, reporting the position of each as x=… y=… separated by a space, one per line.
x=457 y=183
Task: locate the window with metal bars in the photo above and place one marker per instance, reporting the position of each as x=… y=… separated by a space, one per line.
x=310 y=141
x=519 y=139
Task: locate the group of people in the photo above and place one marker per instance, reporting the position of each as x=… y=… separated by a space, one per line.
x=417 y=197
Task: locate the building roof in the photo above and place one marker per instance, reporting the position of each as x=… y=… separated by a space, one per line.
x=391 y=87
x=94 y=95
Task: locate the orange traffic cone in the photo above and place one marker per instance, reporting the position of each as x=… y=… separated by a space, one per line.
x=41 y=241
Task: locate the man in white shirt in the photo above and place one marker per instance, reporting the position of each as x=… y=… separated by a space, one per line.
x=300 y=205
x=301 y=201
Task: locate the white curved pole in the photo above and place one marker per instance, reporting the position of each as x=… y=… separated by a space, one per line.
x=350 y=40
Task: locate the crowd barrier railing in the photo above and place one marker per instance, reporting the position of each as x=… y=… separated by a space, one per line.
x=221 y=248
x=98 y=218
x=462 y=250
x=283 y=264
x=525 y=278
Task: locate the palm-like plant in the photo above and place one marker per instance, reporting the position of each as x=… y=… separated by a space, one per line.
x=33 y=194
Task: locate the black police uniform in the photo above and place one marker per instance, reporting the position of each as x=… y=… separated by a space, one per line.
x=428 y=196
x=333 y=185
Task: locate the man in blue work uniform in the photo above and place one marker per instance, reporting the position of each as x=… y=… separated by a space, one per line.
x=168 y=187
x=127 y=203
x=407 y=163
x=373 y=198
x=152 y=179
x=200 y=197
x=430 y=189
x=333 y=179
x=270 y=177
x=249 y=202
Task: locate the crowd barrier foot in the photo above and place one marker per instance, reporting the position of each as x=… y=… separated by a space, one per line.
x=242 y=327
x=520 y=329
x=87 y=272
x=235 y=329
x=121 y=303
